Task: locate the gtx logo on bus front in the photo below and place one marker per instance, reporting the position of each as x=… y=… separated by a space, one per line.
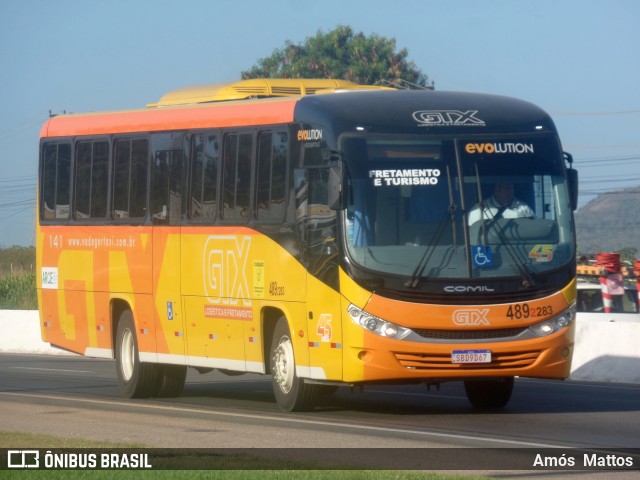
x=448 y=118
x=471 y=316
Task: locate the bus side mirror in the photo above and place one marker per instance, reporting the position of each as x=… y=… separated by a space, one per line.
x=336 y=199
x=572 y=181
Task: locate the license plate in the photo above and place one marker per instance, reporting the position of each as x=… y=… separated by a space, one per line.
x=471 y=356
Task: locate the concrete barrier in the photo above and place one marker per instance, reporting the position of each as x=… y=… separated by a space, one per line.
x=20 y=333
x=605 y=351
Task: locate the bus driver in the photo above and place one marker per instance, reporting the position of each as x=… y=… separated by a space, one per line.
x=502 y=204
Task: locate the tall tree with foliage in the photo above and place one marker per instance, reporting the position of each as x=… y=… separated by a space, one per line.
x=342 y=54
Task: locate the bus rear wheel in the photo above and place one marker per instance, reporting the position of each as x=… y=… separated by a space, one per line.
x=137 y=379
x=291 y=392
x=494 y=393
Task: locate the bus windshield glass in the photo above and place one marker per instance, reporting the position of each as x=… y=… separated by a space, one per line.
x=457 y=208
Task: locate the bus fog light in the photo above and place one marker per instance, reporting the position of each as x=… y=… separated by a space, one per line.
x=364 y=356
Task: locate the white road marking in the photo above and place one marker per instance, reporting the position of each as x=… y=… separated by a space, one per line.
x=50 y=369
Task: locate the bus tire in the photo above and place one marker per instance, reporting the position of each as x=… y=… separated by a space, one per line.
x=172 y=379
x=291 y=392
x=137 y=379
x=494 y=393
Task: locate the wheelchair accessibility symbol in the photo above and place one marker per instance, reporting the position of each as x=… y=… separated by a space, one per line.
x=482 y=256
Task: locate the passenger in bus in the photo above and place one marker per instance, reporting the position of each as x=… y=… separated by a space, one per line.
x=502 y=204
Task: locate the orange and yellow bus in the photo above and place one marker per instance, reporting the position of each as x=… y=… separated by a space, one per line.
x=314 y=230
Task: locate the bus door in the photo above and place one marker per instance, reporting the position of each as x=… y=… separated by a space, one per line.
x=317 y=230
x=167 y=205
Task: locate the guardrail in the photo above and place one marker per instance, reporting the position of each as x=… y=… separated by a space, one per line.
x=605 y=351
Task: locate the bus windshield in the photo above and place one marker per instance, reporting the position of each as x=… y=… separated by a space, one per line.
x=457 y=208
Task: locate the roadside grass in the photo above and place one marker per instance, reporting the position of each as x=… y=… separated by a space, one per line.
x=18 y=291
x=231 y=467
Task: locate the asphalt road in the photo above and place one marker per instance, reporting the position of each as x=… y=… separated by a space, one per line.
x=79 y=397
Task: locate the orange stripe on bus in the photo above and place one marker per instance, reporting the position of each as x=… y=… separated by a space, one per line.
x=159 y=119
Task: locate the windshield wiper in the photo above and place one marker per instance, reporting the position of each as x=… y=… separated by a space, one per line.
x=452 y=209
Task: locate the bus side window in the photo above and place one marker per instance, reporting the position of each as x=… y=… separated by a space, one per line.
x=56 y=182
x=271 y=175
x=130 y=168
x=237 y=157
x=91 y=180
x=167 y=175
x=205 y=168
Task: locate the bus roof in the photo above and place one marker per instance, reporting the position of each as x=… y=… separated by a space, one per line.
x=350 y=108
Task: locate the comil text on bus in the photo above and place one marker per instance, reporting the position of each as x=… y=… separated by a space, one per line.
x=398 y=177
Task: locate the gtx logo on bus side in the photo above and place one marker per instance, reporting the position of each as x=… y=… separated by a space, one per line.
x=225 y=263
x=467 y=317
x=448 y=118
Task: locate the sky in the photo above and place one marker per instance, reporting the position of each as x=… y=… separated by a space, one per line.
x=577 y=59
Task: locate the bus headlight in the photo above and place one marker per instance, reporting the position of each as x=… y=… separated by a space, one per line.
x=377 y=325
x=556 y=323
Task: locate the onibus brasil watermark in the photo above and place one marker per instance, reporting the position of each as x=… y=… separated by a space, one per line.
x=35 y=459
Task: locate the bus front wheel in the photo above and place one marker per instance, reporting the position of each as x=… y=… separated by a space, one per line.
x=137 y=379
x=291 y=392
x=494 y=393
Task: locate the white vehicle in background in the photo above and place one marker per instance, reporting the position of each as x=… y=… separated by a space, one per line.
x=590 y=306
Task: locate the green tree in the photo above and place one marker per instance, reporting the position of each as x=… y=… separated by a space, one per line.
x=341 y=54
